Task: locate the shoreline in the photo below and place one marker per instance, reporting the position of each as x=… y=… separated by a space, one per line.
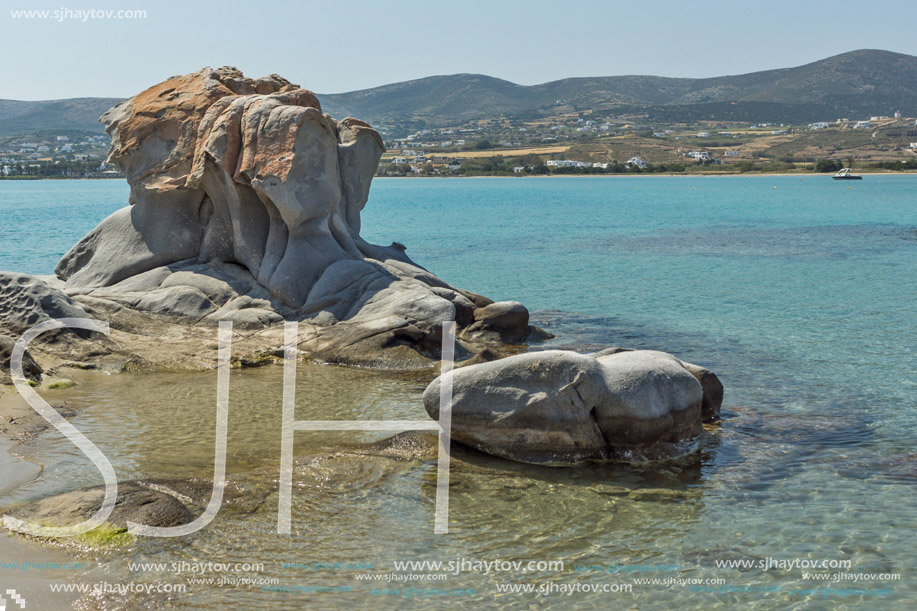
x=622 y=175
x=17 y=418
x=657 y=174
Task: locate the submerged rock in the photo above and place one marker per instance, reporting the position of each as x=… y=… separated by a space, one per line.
x=660 y=495
x=136 y=503
x=561 y=407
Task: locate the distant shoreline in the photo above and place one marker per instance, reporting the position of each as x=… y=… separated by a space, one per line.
x=621 y=175
x=659 y=174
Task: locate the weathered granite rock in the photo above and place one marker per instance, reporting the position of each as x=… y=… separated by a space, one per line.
x=26 y=301
x=713 y=391
x=712 y=387
x=506 y=321
x=29 y=300
x=136 y=503
x=30 y=368
x=245 y=205
x=561 y=407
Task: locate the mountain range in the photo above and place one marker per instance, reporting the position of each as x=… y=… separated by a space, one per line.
x=855 y=84
x=76 y=115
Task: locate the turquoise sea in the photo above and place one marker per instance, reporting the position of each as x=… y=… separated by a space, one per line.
x=800 y=294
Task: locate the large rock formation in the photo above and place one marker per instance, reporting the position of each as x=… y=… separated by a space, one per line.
x=245 y=205
x=561 y=407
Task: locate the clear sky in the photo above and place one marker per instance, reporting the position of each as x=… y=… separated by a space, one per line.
x=345 y=45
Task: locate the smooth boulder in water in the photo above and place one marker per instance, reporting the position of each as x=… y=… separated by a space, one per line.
x=564 y=408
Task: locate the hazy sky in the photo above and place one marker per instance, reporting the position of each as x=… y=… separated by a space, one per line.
x=341 y=46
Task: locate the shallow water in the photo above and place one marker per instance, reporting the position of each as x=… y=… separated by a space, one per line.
x=799 y=297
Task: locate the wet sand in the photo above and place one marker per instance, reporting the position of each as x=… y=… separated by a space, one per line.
x=33 y=584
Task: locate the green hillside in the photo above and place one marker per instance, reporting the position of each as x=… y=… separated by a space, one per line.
x=77 y=115
x=856 y=84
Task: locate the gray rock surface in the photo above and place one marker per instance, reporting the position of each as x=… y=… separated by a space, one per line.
x=710 y=383
x=505 y=321
x=26 y=301
x=561 y=407
x=713 y=391
x=30 y=368
x=136 y=503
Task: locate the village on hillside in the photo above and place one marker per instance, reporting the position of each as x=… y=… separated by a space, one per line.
x=571 y=144
x=585 y=145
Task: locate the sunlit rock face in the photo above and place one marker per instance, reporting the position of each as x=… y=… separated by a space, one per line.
x=245 y=205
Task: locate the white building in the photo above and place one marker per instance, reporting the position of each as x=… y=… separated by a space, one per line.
x=399 y=160
x=912 y=146
x=637 y=161
x=561 y=163
x=698 y=155
x=603 y=166
x=862 y=125
x=7 y=170
x=703 y=134
x=731 y=153
x=519 y=169
x=818 y=125
x=879 y=118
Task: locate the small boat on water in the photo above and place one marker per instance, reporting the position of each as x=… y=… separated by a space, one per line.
x=844 y=174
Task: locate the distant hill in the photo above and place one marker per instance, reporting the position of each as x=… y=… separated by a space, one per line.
x=77 y=115
x=855 y=84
